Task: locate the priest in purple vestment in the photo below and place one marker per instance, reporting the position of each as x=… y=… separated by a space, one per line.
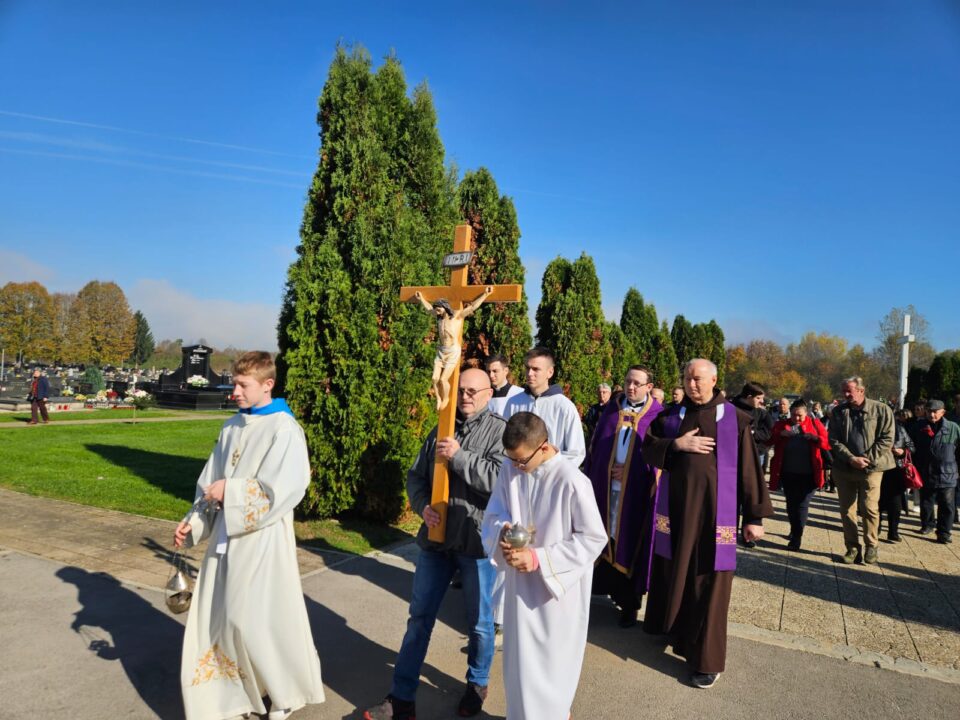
x=710 y=470
x=624 y=485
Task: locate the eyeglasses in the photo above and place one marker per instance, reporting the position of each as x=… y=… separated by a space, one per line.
x=471 y=392
x=521 y=464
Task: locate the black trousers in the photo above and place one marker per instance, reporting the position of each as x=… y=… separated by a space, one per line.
x=607 y=580
x=797 y=489
x=892 y=499
x=945 y=499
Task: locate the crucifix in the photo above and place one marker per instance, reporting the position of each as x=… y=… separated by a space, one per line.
x=904 y=340
x=452 y=304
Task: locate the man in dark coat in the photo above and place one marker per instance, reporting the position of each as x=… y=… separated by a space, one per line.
x=39 y=392
x=938 y=455
x=710 y=469
x=623 y=485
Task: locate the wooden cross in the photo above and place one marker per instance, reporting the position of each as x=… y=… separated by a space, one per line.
x=458 y=293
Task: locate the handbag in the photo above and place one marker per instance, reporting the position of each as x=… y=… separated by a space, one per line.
x=911 y=476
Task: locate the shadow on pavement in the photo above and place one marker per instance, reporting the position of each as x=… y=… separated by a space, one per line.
x=145 y=640
x=861 y=587
x=174 y=474
x=361 y=670
x=650 y=651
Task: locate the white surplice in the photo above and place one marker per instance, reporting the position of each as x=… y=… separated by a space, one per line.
x=546 y=612
x=247 y=634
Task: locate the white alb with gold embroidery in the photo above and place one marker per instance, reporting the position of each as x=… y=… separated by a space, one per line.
x=247 y=634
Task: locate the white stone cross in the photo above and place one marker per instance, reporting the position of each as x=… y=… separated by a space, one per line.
x=905 y=341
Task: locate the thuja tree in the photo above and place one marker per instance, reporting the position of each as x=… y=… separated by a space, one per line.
x=354 y=362
x=495 y=327
x=717 y=352
x=681 y=334
x=664 y=365
x=570 y=322
x=638 y=320
x=622 y=352
x=143 y=342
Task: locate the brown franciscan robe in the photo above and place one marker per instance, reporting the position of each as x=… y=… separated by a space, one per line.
x=688 y=598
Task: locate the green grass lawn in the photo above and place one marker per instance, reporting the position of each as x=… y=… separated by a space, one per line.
x=149 y=469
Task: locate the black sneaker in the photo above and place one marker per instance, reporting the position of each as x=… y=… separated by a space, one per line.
x=926 y=530
x=894 y=538
x=705 y=680
x=793 y=545
x=944 y=540
x=392 y=709
x=628 y=618
x=472 y=700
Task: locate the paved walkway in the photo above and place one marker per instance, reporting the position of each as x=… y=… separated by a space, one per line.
x=903 y=612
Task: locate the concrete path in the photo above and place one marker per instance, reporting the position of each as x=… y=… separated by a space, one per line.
x=86 y=632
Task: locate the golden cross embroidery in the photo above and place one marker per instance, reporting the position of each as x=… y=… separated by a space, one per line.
x=235 y=458
x=459 y=296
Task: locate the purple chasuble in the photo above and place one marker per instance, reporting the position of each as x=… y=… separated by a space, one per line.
x=635 y=506
x=726 y=522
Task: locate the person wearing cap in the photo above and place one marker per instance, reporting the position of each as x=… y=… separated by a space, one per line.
x=938 y=453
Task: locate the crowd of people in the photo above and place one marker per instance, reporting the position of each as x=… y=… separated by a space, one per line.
x=651 y=501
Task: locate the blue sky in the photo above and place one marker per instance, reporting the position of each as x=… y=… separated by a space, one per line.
x=780 y=166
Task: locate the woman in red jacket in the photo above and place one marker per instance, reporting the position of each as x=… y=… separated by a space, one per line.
x=798 y=465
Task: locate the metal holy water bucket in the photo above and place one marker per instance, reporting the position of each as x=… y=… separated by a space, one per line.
x=179 y=588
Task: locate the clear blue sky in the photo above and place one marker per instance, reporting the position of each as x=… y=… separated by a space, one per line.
x=780 y=166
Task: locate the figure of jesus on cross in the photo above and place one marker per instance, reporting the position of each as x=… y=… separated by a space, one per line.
x=449 y=330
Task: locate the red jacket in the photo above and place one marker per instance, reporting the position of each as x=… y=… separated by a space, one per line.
x=809 y=425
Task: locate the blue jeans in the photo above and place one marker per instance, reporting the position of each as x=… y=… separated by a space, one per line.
x=430 y=583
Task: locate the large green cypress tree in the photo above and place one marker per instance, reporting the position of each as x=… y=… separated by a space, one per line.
x=143 y=342
x=570 y=322
x=665 y=367
x=681 y=334
x=638 y=320
x=495 y=327
x=623 y=354
x=718 y=350
x=354 y=362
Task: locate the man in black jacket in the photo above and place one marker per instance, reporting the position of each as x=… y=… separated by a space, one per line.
x=39 y=392
x=750 y=400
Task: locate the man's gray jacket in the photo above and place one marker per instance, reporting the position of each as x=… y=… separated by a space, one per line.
x=472 y=471
x=877 y=438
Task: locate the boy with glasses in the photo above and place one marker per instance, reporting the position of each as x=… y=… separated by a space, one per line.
x=546 y=601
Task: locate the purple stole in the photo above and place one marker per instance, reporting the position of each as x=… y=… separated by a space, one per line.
x=726 y=522
x=637 y=478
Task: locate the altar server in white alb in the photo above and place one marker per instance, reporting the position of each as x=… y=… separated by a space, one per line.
x=564 y=429
x=247 y=635
x=546 y=600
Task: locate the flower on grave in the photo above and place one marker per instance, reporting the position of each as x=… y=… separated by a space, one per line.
x=67 y=392
x=197 y=381
x=101 y=396
x=80 y=397
x=140 y=399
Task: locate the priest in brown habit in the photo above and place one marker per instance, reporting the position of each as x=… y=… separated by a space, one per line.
x=710 y=471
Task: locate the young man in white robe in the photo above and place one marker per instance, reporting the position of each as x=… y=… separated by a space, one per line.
x=247 y=635
x=564 y=429
x=546 y=601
